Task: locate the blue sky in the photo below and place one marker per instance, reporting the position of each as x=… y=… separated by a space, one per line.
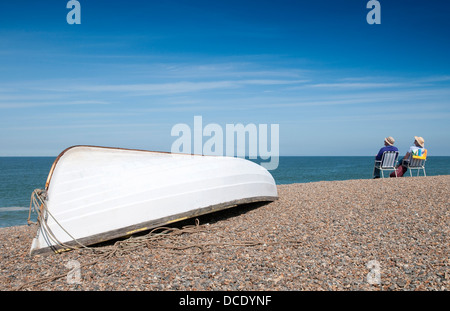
x=133 y=69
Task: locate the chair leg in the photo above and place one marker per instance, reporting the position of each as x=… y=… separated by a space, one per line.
x=424 y=172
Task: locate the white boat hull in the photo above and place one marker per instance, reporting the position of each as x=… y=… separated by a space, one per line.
x=97 y=193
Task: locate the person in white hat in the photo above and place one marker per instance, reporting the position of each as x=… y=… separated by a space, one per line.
x=388 y=146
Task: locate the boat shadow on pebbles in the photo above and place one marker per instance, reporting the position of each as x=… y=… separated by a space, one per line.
x=190 y=224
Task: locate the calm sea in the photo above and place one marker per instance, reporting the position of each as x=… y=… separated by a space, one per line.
x=19 y=176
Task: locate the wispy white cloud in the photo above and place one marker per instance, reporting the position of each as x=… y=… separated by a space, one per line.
x=31 y=103
x=164 y=88
x=85 y=125
x=254 y=92
x=357 y=85
x=365 y=117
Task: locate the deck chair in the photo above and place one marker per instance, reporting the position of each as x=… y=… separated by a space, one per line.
x=387 y=163
x=417 y=161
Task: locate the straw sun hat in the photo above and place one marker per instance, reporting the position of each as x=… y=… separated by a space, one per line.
x=420 y=140
x=390 y=140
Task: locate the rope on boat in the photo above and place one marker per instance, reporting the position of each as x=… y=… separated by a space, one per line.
x=38 y=204
x=120 y=247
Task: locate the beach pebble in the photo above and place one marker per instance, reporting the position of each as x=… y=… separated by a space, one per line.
x=372 y=235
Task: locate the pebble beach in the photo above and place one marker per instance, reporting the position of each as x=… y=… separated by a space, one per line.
x=353 y=235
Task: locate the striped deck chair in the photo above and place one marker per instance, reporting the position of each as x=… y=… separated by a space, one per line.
x=387 y=163
x=417 y=161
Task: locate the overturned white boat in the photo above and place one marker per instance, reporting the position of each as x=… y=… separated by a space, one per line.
x=94 y=194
